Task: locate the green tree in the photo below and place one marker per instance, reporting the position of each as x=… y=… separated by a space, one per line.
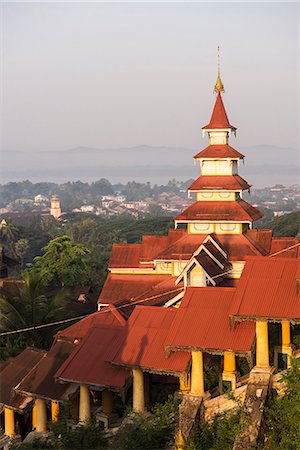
x=9 y=231
x=282 y=416
x=20 y=250
x=63 y=263
x=29 y=304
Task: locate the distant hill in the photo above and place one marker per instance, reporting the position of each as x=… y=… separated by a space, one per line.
x=287 y=225
x=265 y=165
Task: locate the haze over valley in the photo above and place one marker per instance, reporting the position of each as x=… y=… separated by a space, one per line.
x=265 y=165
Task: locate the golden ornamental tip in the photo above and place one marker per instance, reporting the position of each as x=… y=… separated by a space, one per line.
x=219 y=86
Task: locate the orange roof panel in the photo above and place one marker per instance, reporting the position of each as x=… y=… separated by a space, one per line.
x=268 y=289
x=123 y=288
x=231 y=183
x=108 y=316
x=236 y=246
x=144 y=345
x=219 y=117
x=202 y=323
x=219 y=152
x=88 y=363
x=238 y=211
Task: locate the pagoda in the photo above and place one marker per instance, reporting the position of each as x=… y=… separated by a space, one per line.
x=219 y=206
x=170 y=306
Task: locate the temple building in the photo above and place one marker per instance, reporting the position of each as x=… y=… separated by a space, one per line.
x=213 y=235
x=207 y=293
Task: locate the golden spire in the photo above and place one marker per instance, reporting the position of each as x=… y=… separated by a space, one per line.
x=219 y=87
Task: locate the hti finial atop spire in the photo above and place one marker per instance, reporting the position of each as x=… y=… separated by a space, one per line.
x=219 y=87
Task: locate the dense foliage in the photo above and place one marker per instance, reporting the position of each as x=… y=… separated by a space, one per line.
x=282 y=429
x=152 y=430
x=88 y=437
x=220 y=435
x=287 y=225
x=63 y=263
x=28 y=304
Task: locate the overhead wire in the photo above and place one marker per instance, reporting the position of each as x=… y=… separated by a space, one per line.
x=59 y=322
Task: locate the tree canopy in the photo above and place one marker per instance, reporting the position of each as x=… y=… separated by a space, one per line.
x=63 y=263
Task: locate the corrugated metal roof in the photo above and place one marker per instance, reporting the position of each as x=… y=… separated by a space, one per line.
x=202 y=322
x=219 y=151
x=219 y=117
x=40 y=382
x=210 y=266
x=268 y=289
x=125 y=255
x=157 y=295
x=12 y=372
x=107 y=316
x=122 y=288
x=236 y=246
x=153 y=245
x=280 y=243
x=88 y=364
x=238 y=210
x=144 y=344
x=218 y=182
x=261 y=237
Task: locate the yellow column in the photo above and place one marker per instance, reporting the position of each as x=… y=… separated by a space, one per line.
x=41 y=415
x=138 y=400
x=229 y=362
x=197 y=376
x=229 y=372
x=54 y=411
x=33 y=416
x=9 y=422
x=84 y=404
x=286 y=333
x=185 y=382
x=262 y=344
x=107 y=401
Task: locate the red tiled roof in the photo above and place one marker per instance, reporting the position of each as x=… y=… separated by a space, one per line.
x=219 y=151
x=236 y=246
x=217 y=182
x=280 y=243
x=40 y=381
x=88 y=364
x=202 y=323
x=219 y=117
x=267 y=289
x=108 y=316
x=122 y=288
x=144 y=345
x=12 y=372
x=218 y=211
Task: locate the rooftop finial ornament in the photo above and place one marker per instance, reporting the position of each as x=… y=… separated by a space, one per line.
x=219 y=87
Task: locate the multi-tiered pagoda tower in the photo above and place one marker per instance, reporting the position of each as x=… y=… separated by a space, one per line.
x=219 y=206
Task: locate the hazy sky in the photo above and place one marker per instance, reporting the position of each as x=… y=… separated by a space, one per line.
x=124 y=74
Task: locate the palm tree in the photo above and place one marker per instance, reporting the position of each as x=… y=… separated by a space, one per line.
x=9 y=231
x=29 y=305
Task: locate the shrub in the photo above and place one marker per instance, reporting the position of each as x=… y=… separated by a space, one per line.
x=152 y=430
